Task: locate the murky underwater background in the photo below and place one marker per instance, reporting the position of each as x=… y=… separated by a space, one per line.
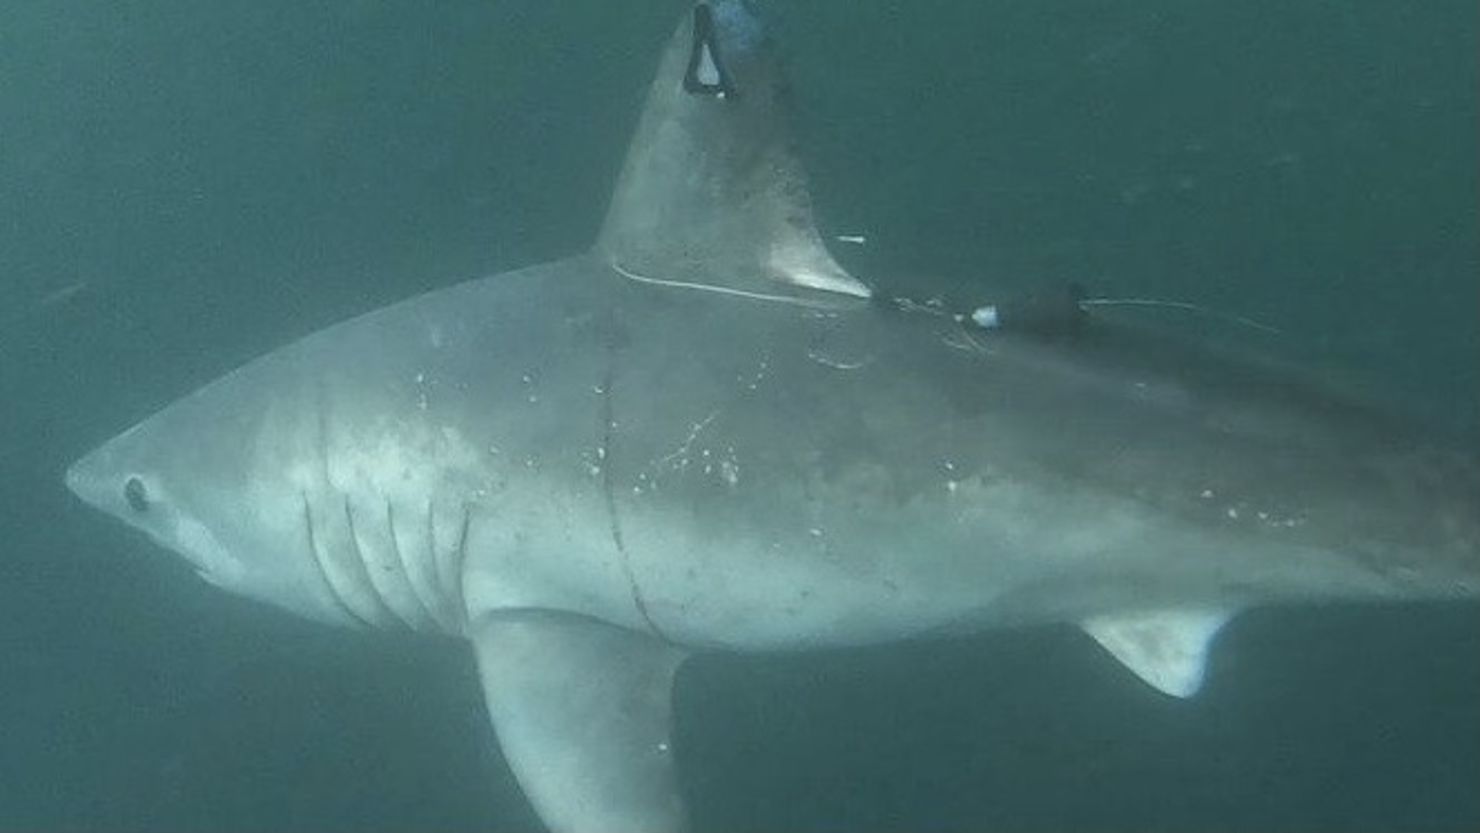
x=185 y=185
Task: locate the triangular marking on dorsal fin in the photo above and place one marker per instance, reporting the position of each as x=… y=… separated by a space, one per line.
x=1168 y=649
x=711 y=192
x=706 y=74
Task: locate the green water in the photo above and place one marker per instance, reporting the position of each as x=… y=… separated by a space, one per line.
x=186 y=185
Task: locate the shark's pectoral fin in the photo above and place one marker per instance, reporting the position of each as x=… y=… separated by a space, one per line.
x=1168 y=649
x=582 y=711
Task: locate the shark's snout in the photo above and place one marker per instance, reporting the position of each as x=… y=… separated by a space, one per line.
x=73 y=478
x=103 y=480
x=83 y=480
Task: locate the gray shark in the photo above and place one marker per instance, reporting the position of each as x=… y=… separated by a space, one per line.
x=705 y=435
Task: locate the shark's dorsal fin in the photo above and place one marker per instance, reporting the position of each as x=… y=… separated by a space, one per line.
x=711 y=194
x=582 y=711
x=1168 y=649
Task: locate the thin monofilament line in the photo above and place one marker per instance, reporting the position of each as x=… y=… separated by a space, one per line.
x=723 y=290
x=1180 y=305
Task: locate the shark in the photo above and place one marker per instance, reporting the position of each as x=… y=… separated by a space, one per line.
x=704 y=434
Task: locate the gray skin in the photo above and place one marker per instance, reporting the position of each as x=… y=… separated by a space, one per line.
x=705 y=435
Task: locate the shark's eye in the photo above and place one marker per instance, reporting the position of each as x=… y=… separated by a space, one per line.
x=136 y=495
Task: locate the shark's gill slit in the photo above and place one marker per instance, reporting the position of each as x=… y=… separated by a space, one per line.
x=378 y=594
x=424 y=604
x=317 y=557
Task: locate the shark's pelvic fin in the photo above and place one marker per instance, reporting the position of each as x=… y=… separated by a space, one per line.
x=1168 y=649
x=711 y=193
x=583 y=713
